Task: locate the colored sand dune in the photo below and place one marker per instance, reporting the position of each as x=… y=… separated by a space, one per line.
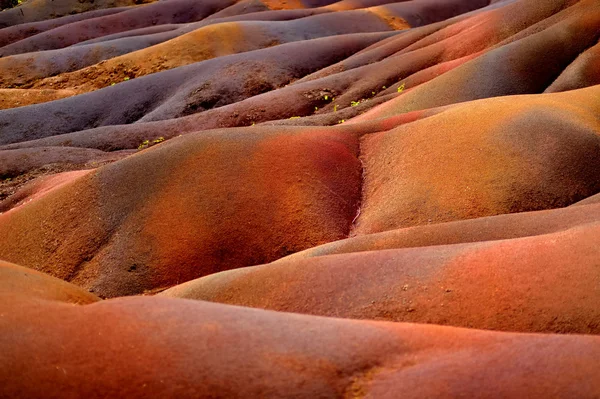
x=300 y=198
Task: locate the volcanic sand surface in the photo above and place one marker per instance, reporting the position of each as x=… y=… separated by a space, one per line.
x=440 y=196
x=120 y=216
x=159 y=343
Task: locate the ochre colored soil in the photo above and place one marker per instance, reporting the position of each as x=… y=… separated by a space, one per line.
x=300 y=199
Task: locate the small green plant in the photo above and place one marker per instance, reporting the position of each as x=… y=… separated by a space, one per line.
x=126 y=78
x=148 y=143
x=401 y=88
x=113 y=83
x=10 y=3
x=326 y=97
x=335 y=108
x=354 y=103
x=295 y=117
x=341 y=121
x=383 y=87
x=316 y=109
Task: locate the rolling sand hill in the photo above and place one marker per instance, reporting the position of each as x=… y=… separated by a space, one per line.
x=300 y=199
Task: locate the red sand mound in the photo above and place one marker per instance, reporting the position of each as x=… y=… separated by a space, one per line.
x=487 y=170
x=35 y=188
x=26 y=284
x=297 y=191
x=484 y=158
x=490 y=228
x=175 y=348
x=544 y=283
x=384 y=160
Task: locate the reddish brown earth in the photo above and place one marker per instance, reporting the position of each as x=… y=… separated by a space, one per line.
x=13 y=98
x=138 y=347
x=495 y=285
x=394 y=162
x=29 y=285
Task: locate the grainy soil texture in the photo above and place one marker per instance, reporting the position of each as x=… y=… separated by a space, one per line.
x=300 y=199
